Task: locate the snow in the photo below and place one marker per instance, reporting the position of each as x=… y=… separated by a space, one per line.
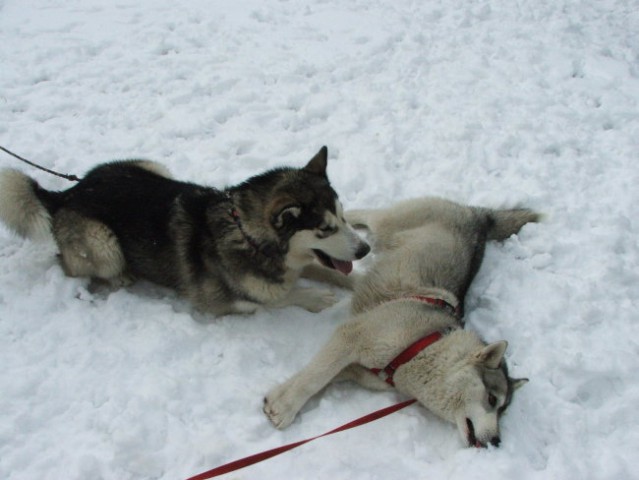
x=499 y=103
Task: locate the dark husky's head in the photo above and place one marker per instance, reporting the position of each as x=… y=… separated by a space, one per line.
x=304 y=212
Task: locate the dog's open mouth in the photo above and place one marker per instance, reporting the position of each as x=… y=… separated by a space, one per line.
x=341 y=266
x=472 y=439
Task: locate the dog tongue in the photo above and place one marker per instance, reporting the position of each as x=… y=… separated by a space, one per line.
x=342 y=266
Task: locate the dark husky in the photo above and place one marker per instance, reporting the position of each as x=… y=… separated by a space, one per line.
x=226 y=250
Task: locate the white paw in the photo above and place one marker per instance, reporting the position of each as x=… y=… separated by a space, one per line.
x=278 y=408
x=244 y=307
x=315 y=299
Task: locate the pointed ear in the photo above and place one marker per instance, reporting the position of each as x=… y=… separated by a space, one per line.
x=283 y=209
x=516 y=383
x=317 y=164
x=491 y=355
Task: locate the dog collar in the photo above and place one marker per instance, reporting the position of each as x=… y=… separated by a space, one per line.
x=235 y=216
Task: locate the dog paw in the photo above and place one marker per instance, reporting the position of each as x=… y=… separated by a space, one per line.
x=243 y=307
x=122 y=281
x=278 y=410
x=315 y=299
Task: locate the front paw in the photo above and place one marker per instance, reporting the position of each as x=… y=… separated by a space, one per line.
x=315 y=299
x=279 y=410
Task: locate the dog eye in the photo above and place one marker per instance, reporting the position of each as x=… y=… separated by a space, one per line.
x=328 y=229
x=492 y=400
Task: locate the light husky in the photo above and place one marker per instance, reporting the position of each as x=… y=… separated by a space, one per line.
x=228 y=251
x=429 y=251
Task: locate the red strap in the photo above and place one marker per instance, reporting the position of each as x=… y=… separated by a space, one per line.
x=245 y=462
x=406 y=356
x=438 y=302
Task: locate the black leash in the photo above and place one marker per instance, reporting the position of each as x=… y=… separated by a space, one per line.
x=71 y=178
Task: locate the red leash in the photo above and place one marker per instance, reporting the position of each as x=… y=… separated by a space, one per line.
x=386 y=374
x=245 y=462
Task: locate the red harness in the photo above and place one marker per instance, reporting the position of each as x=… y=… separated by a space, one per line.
x=411 y=352
x=406 y=356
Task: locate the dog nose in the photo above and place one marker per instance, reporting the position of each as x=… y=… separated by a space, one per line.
x=495 y=441
x=362 y=251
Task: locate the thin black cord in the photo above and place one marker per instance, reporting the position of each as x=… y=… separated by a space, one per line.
x=71 y=178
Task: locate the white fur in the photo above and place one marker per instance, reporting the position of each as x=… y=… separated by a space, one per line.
x=20 y=209
x=422 y=244
x=89 y=248
x=153 y=167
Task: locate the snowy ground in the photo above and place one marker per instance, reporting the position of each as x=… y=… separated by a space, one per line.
x=497 y=103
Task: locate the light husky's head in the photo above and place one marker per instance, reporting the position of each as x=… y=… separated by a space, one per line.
x=475 y=395
x=305 y=210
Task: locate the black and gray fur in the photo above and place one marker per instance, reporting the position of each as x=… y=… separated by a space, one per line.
x=227 y=251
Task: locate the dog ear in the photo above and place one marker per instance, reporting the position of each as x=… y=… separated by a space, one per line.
x=317 y=164
x=282 y=210
x=516 y=383
x=287 y=214
x=491 y=355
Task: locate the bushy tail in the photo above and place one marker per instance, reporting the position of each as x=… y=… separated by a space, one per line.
x=505 y=223
x=20 y=207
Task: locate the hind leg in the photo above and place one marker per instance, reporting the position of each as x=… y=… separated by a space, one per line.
x=388 y=224
x=385 y=224
x=88 y=248
x=504 y=223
